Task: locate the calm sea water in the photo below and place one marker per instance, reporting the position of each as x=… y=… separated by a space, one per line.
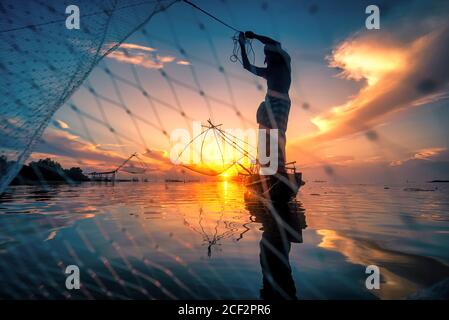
x=204 y=241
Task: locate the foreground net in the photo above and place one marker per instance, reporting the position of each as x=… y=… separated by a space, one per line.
x=42 y=63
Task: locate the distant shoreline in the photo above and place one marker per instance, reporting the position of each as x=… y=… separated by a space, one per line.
x=74 y=182
x=39 y=183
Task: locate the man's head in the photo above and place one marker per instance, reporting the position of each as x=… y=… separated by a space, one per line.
x=273 y=54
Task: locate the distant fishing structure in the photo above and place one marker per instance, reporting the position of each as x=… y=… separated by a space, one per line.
x=110 y=176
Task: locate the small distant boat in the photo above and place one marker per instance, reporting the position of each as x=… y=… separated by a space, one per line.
x=281 y=187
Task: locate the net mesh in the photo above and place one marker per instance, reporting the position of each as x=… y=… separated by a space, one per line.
x=43 y=63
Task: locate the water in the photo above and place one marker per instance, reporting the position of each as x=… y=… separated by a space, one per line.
x=204 y=241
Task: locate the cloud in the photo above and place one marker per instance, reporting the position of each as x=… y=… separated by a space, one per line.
x=341 y=159
x=73 y=149
x=160 y=158
x=158 y=155
x=398 y=75
x=420 y=166
x=143 y=56
x=165 y=59
x=141 y=59
x=183 y=62
x=60 y=124
x=136 y=47
x=428 y=154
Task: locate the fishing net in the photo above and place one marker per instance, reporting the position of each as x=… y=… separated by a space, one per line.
x=135 y=165
x=43 y=63
x=134 y=170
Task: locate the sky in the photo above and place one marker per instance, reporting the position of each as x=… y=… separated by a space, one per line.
x=367 y=105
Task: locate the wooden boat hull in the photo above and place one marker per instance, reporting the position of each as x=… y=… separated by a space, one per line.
x=277 y=188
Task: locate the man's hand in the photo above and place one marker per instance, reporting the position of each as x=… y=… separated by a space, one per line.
x=249 y=34
x=242 y=38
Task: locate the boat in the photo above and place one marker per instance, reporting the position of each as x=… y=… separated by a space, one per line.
x=281 y=187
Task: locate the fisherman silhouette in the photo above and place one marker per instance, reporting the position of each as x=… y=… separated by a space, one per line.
x=274 y=110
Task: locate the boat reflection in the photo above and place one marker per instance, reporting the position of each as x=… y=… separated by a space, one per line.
x=282 y=225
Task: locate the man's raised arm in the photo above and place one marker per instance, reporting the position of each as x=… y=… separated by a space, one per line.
x=245 y=59
x=261 y=72
x=263 y=39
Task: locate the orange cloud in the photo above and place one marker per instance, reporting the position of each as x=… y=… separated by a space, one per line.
x=397 y=75
x=143 y=60
x=157 y=155
x=137 y=47
x=183 y=62
x=71 y=150
x=142 y=56
x=66 y=145
x=427 y=154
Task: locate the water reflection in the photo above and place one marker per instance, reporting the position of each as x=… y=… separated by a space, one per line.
x=282 y=225
x=221 y=229
x=204 y=240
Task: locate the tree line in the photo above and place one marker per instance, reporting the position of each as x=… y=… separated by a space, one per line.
x=43 y=170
